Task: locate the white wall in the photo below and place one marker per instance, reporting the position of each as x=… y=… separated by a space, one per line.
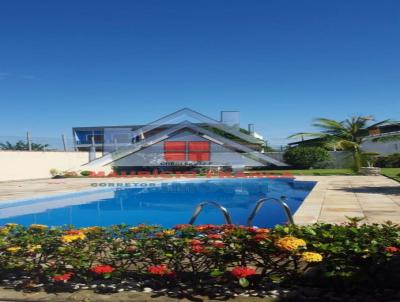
x=383 y=148
x=17 y=165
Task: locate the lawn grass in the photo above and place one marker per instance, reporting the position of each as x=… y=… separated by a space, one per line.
x=313 y=172
x=392 y=173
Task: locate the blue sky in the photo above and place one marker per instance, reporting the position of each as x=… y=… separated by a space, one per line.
x=281 y=63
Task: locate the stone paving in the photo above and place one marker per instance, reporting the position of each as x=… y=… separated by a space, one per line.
x=374 y=198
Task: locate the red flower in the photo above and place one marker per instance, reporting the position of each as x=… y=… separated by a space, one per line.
x=198 y=249
x=131 y=249
x=218 y=244
x=159 y=270
x=195 y=242
x=251 y=229
x=102 y=269
x=392 y=249
x=64 y=277
x=214 y=236
x=206 y=227
x=243 y=272
x=182 y=226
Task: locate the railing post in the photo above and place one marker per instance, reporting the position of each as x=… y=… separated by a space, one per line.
x=64 y=142
x=29 y=140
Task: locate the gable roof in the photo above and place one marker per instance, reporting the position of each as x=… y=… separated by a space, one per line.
x=187 y=112
x=163 y=135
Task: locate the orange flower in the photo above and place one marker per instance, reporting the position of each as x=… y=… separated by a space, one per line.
x=290 y=243
x=214 y=236
x=260 y=237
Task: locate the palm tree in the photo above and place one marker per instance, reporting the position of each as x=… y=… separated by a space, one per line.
x=346 y=135
x=21 y=145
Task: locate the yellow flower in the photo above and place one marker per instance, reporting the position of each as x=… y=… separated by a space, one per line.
x=92 y=229
x=169 y=232
x=13 y=249
x=73 y=237
x=134 y=229
x=311 y=257
x=4 y=231
x=11 y=225
x=38 y=227
x=290 y=243
x=34 y=248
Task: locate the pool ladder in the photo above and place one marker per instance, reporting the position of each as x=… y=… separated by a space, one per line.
x=253 y=214
x=262 y=201
x=200 y=207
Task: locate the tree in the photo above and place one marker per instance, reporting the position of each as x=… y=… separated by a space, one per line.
x=21 y=145
x=346 y=135
x=306 y=157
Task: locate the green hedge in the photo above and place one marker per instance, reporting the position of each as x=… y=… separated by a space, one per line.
x=306 y=157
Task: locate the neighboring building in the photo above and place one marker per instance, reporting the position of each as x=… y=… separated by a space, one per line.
x=387 y=146
x=389 y=140
x=182 y=140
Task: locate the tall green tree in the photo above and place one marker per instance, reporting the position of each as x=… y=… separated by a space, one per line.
x=345 y=135
x=21 y=145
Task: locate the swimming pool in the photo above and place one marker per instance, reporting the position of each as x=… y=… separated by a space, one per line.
x=165 y=204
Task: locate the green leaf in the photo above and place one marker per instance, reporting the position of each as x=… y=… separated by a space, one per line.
x=286 y=230
x=244 y=282
x=216 y=273
x=107 y=276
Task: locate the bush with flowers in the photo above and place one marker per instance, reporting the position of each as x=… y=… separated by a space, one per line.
x=195 y=256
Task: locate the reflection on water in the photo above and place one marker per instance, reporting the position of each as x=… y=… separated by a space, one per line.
x=167 y=204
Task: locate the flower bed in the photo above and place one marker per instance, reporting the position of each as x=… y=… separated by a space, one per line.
x=199 y=258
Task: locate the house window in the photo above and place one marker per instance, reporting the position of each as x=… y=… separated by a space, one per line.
x=199 y=151
x=181 y=151
x=98 y=138
x=174 y=151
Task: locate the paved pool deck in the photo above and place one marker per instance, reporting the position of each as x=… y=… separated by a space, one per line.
x=374 y=198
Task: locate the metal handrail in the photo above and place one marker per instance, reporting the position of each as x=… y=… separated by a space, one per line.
x=200 y=207
x=260 y=203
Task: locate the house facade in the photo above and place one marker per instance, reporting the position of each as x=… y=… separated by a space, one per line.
x=181 y=140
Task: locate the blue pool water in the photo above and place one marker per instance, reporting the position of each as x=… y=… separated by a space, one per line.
x=165 y=204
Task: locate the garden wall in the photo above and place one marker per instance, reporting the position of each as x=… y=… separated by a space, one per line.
x=18 y=165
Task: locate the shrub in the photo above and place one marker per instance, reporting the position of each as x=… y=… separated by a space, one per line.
x=390 y=161
x=70 y=174
x=86 y=173
x=306 y=157
x=55 y=172
x=192 y=256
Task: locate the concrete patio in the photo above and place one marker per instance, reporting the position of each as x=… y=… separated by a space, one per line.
x=374 y=198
